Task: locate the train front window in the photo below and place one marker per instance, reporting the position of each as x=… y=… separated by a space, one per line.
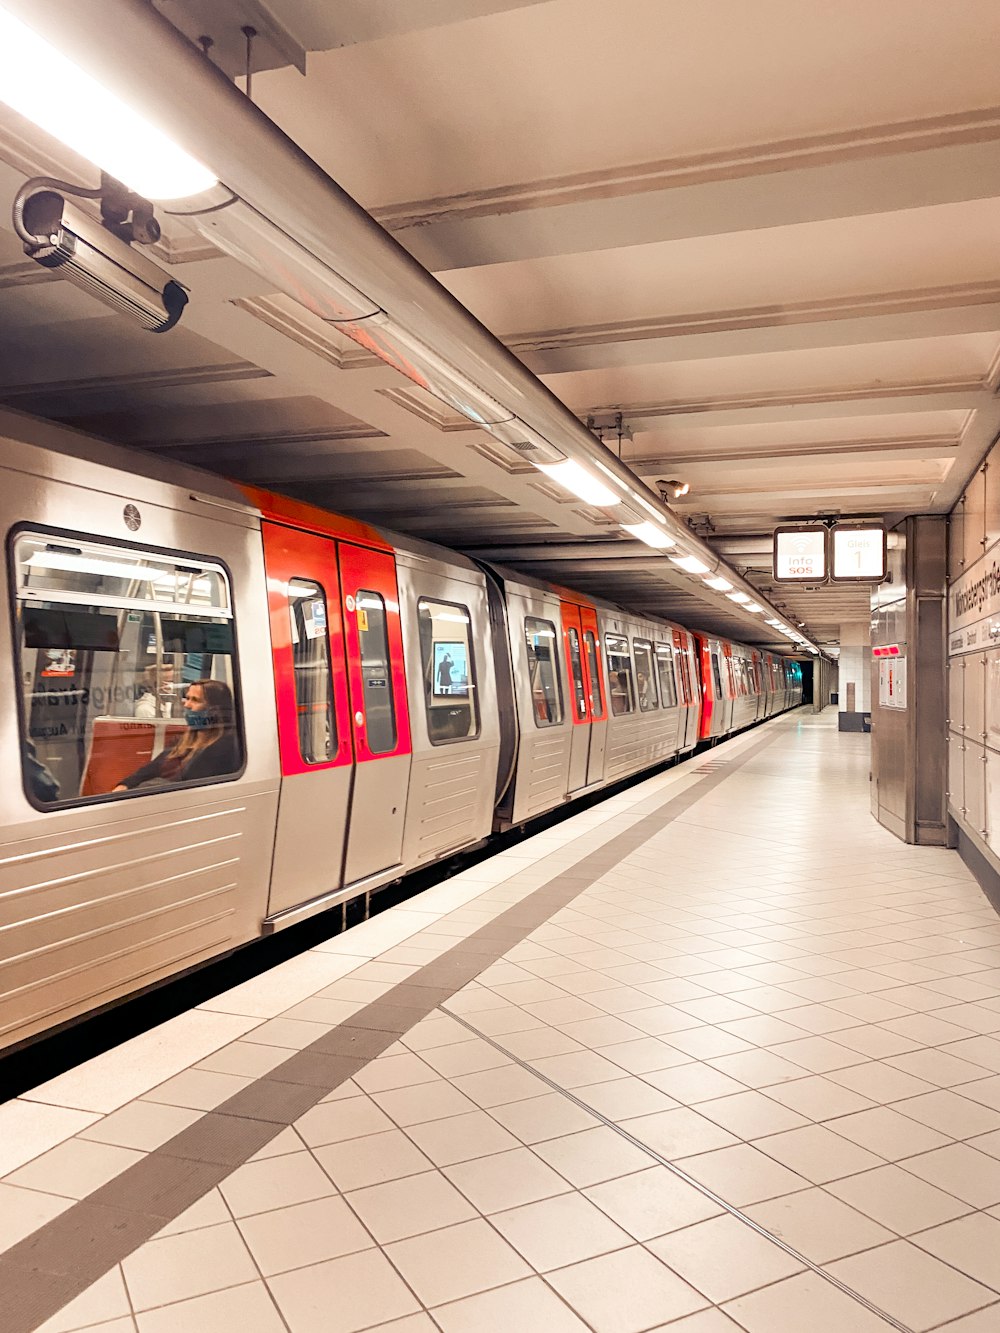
x=313 y=682
x=543 y=672
x=621 y=687
x=376 y=673
x=126 y=670
x=449 y=671
x=665 y=670
x=645 y=680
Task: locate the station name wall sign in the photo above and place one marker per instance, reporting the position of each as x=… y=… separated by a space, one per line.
x=843 y=553
x=974 y=607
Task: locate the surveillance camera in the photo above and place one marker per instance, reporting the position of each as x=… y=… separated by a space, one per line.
x=75 y=245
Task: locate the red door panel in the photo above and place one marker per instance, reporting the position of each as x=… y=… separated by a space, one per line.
x=290 y=556
x=370 y=598
x=576 y=670
x=592 y=665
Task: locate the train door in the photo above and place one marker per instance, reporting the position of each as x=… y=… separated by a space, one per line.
x=595 y=694
x=314 y=734
x=379 y=718
x=585 y=766
x=579 y=754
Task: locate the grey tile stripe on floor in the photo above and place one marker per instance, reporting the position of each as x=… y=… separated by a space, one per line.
x=49 y=1268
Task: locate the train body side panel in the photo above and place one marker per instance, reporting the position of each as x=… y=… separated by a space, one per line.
x=541 y=777
x=638 y=738
x=452 y=773
x=101 y=898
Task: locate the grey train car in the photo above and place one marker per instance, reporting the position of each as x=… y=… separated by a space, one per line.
x=232 y=711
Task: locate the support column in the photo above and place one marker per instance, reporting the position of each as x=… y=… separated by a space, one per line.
x=909 y=787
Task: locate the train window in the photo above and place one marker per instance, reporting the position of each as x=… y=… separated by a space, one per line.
x=717 y=674
x=313 y=680
x=576 y=666
x=665 y=671
x=594 y=670
x=620 y=684
x=376 y=673
x=449 y=671
x=645 y=679
x=543 y=671
x=686 y=687
x=126 y=670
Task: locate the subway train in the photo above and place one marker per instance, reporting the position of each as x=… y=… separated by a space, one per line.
x=231 y=710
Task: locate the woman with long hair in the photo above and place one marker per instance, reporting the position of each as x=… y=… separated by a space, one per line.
x=208 y=747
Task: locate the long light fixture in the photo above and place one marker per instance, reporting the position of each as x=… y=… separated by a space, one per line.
x=754 y=607
x=47 y=88
x=580 y=482
x=690 y=564
x=719 y=584
x=738 y=597
x=651 y=534
x=406 y=318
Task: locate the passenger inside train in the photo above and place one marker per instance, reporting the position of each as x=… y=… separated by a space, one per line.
x=208 y=747
x=156 y=692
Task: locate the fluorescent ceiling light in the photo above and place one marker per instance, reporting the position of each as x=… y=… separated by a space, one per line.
x=737 y=596
x=650 y=534
x=719 y=584
x=771 y=621
x=755 y=607
x=47 y=88
x=70 y=562
x=578 y=481
x=690 y=564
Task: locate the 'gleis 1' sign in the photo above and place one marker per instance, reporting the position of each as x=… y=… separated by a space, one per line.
x=800 y=555
x=858 y=553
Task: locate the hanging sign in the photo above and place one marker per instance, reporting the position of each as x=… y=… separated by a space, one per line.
x=800 y=555
x=859 y=553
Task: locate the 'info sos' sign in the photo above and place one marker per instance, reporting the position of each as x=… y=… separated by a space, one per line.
x=800 y=555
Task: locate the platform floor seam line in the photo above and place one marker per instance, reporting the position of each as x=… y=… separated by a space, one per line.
x=678 y=1171
x=53 y=1265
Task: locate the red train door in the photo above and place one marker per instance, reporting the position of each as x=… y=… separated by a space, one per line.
x=583 y=669
x=314 y=732
x=379 y=718
x=595 y=693
x=579 y=706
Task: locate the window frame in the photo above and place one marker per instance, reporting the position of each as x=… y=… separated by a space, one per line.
x=387 y=659
x=26 y=527
x=473 y=696
x=632 y=704
x=592 y=649
x=668 y=658
x=557 y=674
x=647 y=647
x=331 y=702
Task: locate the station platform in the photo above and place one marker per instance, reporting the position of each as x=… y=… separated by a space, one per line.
x=719 y=1054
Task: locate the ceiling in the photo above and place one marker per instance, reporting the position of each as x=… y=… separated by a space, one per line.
x=764 y=236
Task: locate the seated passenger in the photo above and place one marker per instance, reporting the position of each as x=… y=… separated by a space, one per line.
x=208 y=749
x=40 y=782
x=155 y=691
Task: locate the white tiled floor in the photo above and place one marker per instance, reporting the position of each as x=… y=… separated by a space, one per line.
x=761 y=1052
